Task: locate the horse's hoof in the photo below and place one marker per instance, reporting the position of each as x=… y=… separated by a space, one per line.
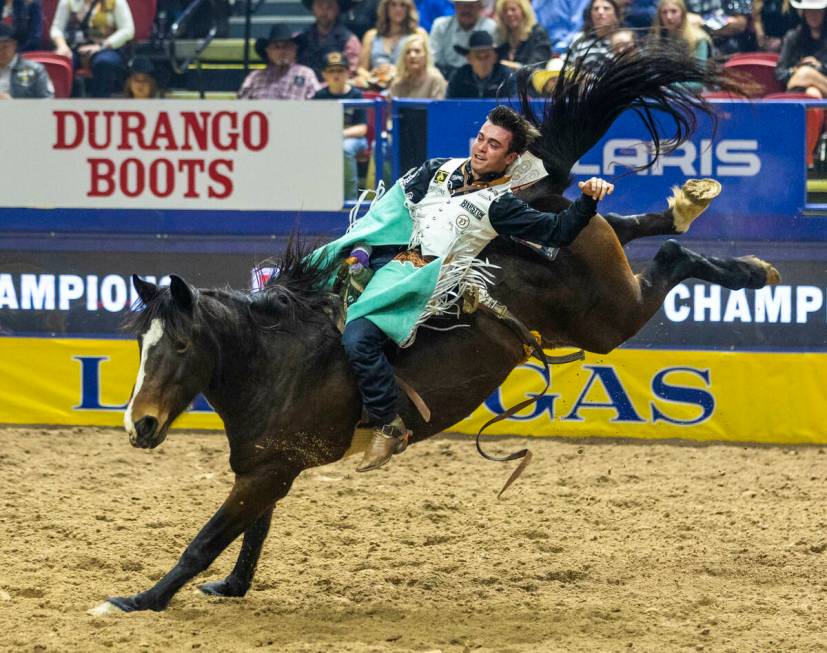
x=105 y=609
x=772 y=276
x=689 y=201
x=221 y=588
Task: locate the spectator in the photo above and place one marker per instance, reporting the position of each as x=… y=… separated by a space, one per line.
x=92 y=32
x=25 y=17
x=522 y=40
x=430 y=10
x=727 y=22
x=283 y=78
x=771 y=20
x=803 y=62
x=141 y=83
x=19 y=77
x=360 y=16
x=483 y=75
x=622 y=40
x=563 y=19
x=416 y=76
x=672 y=25
x=397 y=21
x=451 y=31
x=335 y=73
x=327 y=34
x=592 y=44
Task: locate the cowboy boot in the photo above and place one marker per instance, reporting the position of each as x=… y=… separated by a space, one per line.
x=387 y=440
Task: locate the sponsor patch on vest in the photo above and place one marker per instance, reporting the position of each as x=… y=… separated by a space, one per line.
x=441 y=176
x=472 y=209
x=462 y=222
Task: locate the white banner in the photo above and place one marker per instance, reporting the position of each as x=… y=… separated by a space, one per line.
x=168 y=154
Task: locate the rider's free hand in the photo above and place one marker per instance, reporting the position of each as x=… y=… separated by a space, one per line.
x=596 y=188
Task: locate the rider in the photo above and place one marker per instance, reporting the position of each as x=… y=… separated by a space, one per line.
x=423 y=237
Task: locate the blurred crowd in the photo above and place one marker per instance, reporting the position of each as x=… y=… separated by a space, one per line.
x=430 y=49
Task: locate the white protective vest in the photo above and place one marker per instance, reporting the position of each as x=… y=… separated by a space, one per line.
x=450 y=227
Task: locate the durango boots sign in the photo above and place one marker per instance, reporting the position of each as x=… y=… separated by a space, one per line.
x=172 y=155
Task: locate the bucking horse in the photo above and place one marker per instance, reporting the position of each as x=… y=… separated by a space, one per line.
x=272 y=366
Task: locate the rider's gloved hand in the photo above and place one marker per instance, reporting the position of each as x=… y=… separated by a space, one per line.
x=596 y=188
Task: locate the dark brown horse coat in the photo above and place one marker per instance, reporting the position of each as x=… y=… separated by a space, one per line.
x=272 y=366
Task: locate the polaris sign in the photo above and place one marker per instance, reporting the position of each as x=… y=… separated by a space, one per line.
x=753 y=148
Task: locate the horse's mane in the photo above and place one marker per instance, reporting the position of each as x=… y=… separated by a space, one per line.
x=659 y=83
x=296 y=295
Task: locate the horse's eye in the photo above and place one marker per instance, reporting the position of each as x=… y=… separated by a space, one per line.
x=181 y=347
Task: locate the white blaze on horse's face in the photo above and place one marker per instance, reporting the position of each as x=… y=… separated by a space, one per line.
x=151 y=338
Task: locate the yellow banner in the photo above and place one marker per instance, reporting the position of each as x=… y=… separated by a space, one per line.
x=734 y=396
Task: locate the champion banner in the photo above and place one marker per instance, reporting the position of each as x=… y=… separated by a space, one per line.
x=696 y=395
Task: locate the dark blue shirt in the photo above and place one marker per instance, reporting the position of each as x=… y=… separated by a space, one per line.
x=353 y=115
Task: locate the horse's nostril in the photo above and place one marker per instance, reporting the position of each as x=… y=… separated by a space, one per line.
x=146 y=426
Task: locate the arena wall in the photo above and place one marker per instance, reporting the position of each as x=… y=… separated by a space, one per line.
x=712 y=364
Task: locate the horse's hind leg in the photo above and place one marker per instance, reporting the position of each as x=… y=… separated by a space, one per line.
x=241 y=577
x=686 y=204
x=629 y=302
x=673 y=263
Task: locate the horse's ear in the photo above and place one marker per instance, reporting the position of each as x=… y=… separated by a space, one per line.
x=181 y=292
x=146 y=290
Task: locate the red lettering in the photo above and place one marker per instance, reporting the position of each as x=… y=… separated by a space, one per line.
x=195 y=129
x=139 y=176
x=222 y=179
x=232 y=133
x=155 y=175
x=101 y=182
x=191 y=166
x=63 y=142
x=263 y=131
x=92 y=124
x=137 y=130
x=163 y=130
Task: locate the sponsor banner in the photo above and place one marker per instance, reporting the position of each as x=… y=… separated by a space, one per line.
x=172 y=155
x=791 y=315
x=756 y=146
x=75 y=381
x=82 y=293
x=55 y=293
x=733 y=396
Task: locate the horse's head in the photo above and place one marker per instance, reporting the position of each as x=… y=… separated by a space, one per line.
x=175 y=365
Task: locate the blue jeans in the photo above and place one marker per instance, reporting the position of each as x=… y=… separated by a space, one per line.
x=107 y=69
x=352 y=148
x=365 y=343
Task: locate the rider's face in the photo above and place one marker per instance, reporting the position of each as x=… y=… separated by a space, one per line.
x=489 y=152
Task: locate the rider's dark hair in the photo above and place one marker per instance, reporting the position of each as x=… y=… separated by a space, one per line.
x=522 y=131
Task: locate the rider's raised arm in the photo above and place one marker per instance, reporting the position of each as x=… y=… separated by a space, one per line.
x=417 y=180
x=511 y=216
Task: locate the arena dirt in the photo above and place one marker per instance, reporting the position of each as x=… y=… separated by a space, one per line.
x=599 y=547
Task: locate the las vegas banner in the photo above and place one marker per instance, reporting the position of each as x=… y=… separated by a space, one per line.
x=172 y=155
x=772 y=397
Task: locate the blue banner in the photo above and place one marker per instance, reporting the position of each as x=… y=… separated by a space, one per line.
x=757 y=153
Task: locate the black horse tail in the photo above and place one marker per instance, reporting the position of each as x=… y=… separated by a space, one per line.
x=584 y=103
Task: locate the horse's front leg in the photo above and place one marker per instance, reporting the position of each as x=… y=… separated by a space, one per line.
x=241 y=577
x=251 y=497
x=686 y=204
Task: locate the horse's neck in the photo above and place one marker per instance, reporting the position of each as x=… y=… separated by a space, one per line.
x=253 y=386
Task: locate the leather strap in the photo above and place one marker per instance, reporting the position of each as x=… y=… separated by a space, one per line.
x=415 y=398
x=537 y=351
